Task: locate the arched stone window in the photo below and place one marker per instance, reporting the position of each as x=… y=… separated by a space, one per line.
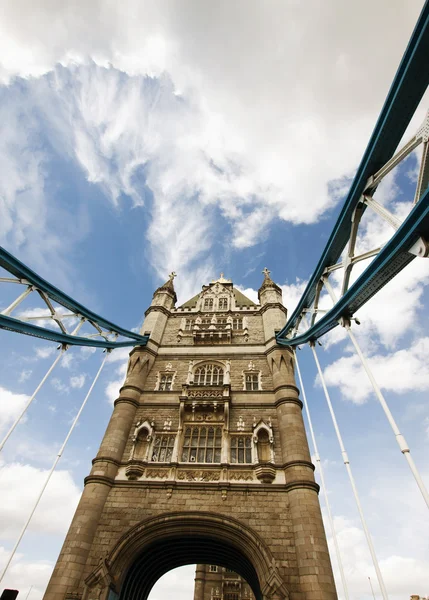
x=208 y=374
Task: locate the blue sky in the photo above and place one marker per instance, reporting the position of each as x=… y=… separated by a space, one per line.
x=204 y=139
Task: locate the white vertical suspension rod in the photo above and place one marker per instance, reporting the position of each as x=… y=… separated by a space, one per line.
x=350 y=474
x=64 y=348
x=398 y=435
x=60 y=452
x=30 y=400
x=403 y=446
x=322 y=479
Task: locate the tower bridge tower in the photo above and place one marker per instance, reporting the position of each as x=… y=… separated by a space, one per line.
x=204 y=461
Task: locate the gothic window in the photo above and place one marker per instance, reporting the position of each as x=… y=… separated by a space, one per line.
x=213 y=568
x=237 y=323
x=206 y=323
x=208 y=375
x=189 y=323
x=251 y=381
x=223 y=303
x=165 y=381
x=202 y=444
x=208 y=304
x=241 y=449
x=231 y=596
x=163 y=447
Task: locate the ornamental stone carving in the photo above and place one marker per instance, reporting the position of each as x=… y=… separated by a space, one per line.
x=205 y=394
x=157 y=473
x=198 y=475
x=240 y=476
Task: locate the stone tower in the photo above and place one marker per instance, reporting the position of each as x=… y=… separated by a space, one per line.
x=218 y=583
x=205 y=460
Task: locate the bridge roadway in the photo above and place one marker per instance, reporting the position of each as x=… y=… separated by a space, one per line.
x=408 y=87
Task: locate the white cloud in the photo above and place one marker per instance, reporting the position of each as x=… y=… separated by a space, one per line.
x=26 y=575
x=59 y=386
x=249 y=293
x=113 y=387
x=228 y=130
x=45 y=351
x=292 y=293
x=396 y=516
x=177 y=583
x=56 y=507
x=120 y=358
x=78 y=381
x=24 y=375
x=11 y=405
x=403 y=575
x=400 y=372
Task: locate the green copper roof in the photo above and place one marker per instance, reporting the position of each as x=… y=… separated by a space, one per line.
x=240 y=300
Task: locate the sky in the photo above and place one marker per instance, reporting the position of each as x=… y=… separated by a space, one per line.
x=143 y=137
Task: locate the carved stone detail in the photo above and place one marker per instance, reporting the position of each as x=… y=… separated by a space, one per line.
x=198 y=475
x=205 y=394
x=157 y=473
x=134 y=471
x=240 y=476
x=266 y=473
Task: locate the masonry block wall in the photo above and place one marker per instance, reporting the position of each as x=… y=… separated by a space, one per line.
x=208 y=422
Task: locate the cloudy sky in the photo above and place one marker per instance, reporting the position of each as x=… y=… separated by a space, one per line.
x=140 y=137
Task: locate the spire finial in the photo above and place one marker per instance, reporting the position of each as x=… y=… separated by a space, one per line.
x=266 y=272
x=172 y=275
x=221 y=275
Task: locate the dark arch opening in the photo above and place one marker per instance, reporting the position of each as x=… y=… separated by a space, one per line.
x=176 y=551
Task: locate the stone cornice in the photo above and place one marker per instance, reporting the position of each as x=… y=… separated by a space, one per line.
x=286 y=386
x=99 y=479
x=125 y=400
x=131 y=387
x=105 y=459
x=218 y=486
x=277 y=347
x=273 y=305
x=299 y=463
x=300 y=485
x=147 y=349
x=281 y=401
x=159 y=309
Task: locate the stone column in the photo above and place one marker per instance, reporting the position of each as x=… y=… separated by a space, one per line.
x=67 y=575
x=200 y=578
x=314 y=565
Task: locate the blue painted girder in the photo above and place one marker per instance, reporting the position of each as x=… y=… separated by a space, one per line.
x=393 y=257
x=21 y=271
x=408 y=87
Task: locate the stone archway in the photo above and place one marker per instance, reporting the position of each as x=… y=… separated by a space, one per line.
x=157 y=545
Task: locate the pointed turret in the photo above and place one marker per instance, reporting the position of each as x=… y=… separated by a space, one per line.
x=269 y=292
x=165 y=295
x=273 y=312
x=163 y=302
